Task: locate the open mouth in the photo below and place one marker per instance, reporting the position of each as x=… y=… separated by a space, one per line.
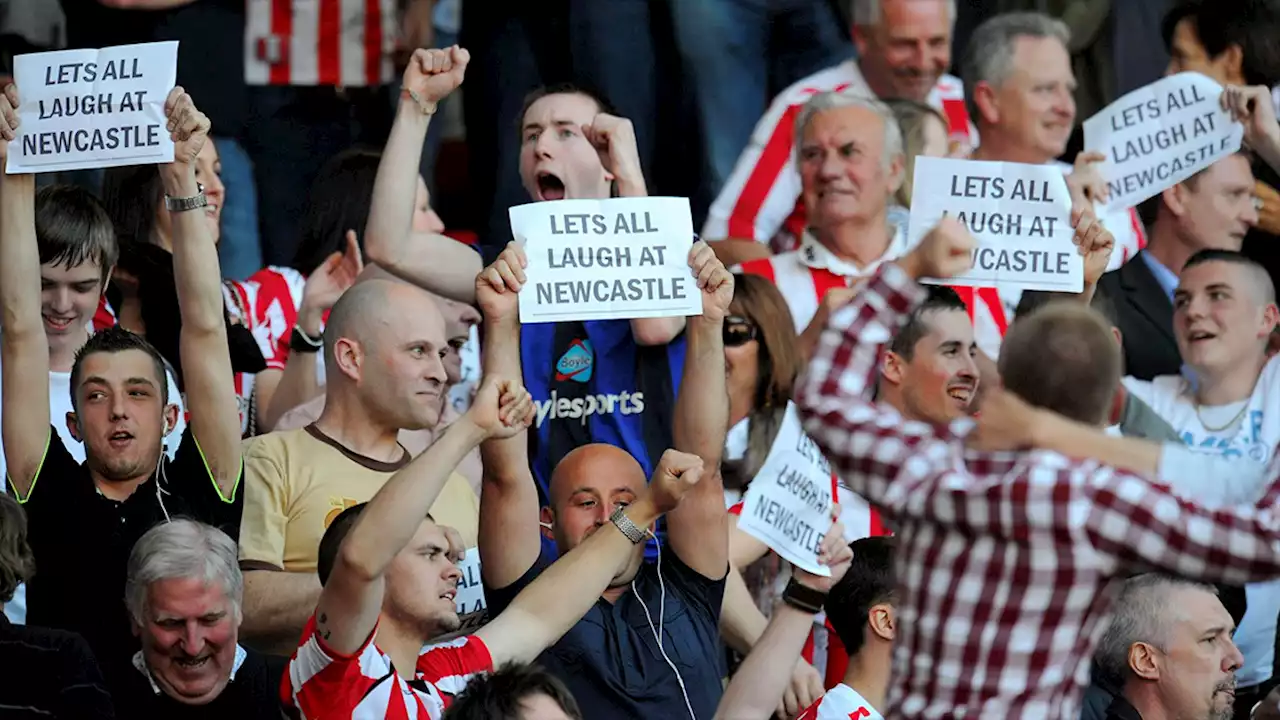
x=1198 y=335
x=58 y=323
x=961 y=393
x=550 y=187
x=191 y=663
x=120 y=439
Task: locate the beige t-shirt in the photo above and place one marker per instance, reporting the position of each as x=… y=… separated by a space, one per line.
x=298 y=481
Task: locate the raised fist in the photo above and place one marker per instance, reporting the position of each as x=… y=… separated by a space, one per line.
x=187 y=126
x=498 y=284
x=715 y=282
x=432 y=74
x=677 y=473
x=614 y=138
x=501 y=407
x=945 y=252
x=1094 y=242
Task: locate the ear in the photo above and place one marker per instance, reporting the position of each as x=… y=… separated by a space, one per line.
x=171 y=412
x=1115 y=333
x=1231 y=61
x=860 y=38
x=350 y=358
x=1174 y=200
x=882 y=622
x=73 y=426
x=984 y=97
x=897 y=173
x=1143 y=661
x=547 y=518
x=1270 y=318
x=893 y=367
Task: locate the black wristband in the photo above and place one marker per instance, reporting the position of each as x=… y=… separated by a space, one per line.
x=803 y=598
x=301 y=343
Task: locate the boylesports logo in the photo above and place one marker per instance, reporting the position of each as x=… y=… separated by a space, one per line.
x=576 y=362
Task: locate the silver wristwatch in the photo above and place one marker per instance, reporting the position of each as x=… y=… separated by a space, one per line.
x=173 y=204
x=633 y=532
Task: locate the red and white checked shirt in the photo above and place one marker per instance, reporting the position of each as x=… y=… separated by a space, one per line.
x=841 y=703
x=761 y=198
x=806 y=274
x=324 y=685
x=1007 y=563
x=347 y=43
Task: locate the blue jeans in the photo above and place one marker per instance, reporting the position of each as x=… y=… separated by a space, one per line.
x=239 y=249
x=739 y=54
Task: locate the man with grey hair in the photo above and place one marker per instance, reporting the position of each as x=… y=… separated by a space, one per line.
x=904 y=49
x=1168 y=651
x=184 y=592
x=1018 y=89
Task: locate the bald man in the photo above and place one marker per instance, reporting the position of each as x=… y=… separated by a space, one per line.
x=384 y=357
x=650 y=647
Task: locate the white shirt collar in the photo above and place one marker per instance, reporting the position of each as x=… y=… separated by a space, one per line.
x=141 y=665
x=814 y=255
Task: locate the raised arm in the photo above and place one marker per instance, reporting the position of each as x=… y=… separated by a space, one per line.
x=352 y=598
x=1133 y=523
x=206 y=358
x=698 y=529
x=509 y=543
x=431 y=261
x=869 y=443
x=761 y=680
x=24 y=350
x=564 y=592
x=1252 y=107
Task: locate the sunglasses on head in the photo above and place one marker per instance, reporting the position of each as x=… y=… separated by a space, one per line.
x=738 y=331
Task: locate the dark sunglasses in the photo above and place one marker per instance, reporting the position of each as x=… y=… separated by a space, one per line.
x=739 y=331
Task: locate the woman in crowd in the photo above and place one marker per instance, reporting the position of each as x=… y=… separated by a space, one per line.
x=47 y=673
x=924 y=132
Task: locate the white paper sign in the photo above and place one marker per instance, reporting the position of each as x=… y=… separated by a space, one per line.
x=788 y=503
x=472 y=608
x=84 y=109
x=1159 y=135
x=614 y=259
x=1020 y=215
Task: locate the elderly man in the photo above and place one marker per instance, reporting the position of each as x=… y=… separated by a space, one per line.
x=184 y=592
x=846 y=197
x=904 y=49
x=1018 y=88
x=1169 y=651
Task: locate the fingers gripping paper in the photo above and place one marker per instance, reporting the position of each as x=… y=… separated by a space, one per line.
x=788 y=504
x=83 y=109
x=1159 y=135
x=616 y=259
x=1019 y=214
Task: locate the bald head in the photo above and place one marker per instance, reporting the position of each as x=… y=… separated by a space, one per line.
x=379 y=314
x=596 y=465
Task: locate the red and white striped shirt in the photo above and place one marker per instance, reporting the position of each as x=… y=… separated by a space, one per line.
x=806 y=275
x=761 y=198
x=346 y=43
x=364 y=685
x=266 y=303
x=841 y=703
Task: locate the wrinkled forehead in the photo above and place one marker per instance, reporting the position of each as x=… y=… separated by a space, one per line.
x=603 y=474
x=118 y=368
x=1230 y=173
x=561 y=108
x=843 y=125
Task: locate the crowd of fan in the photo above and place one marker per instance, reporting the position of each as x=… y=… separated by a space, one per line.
x=278 y=495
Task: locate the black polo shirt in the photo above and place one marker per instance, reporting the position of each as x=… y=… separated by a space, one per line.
x=610 y=659
x=81 y=540
x=49 y=674
x=252 y=694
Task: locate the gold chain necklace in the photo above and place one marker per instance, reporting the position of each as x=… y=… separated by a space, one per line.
x=1229 y=423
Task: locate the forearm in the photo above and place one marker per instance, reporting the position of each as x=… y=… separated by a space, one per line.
x=1051 y=431
x=438 y=264
x=564 y=592
x=386 y=240
x=509 y=543
x=19 y=258
x=741 y=622
x=277 y=605
x=195 y=259
x=764 y=676
x=395 y=512
x=656 y=331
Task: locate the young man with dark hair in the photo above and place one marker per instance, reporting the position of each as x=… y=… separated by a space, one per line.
x=861 y=610
x=515 y=692
x=85 y=517
x=930 y=369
